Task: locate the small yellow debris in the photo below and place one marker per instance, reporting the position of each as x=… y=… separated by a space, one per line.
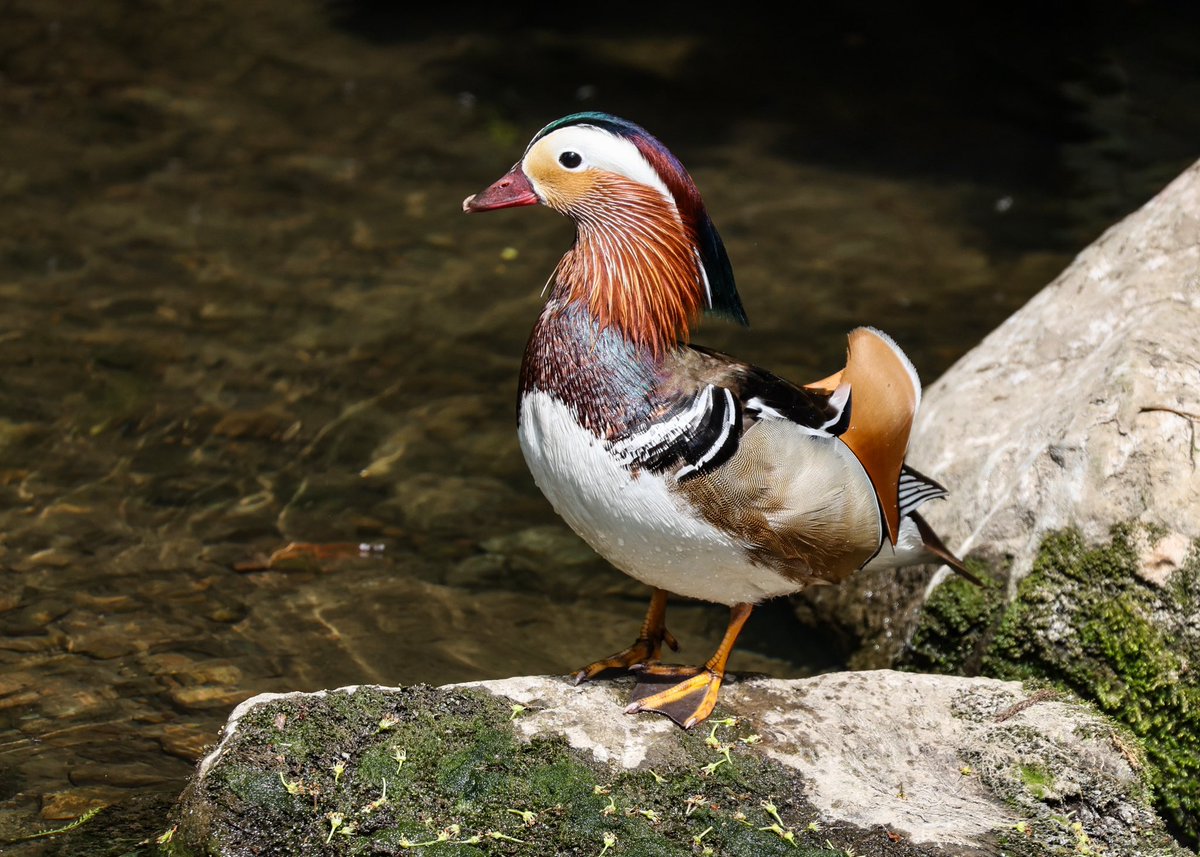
x=527 y=815
x=335 y=821
x=294 y=787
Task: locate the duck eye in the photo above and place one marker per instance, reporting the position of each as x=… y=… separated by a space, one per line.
x=570 y=160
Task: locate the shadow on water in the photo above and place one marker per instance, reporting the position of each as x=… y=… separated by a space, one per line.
x=1034 y=101
x=242 y=308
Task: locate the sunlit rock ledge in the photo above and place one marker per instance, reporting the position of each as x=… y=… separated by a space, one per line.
x=876 y=762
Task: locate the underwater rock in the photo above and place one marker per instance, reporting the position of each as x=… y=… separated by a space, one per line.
x=70 y=804
x=870 y=762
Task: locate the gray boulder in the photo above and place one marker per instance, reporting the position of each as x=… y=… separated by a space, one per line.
x=1082 y=409
x=1068 y=438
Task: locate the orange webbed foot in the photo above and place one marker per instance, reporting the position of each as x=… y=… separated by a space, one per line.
x=690 y=701
x=644 y=650
x=687 y=702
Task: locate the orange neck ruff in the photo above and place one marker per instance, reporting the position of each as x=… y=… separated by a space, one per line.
x=635 y=264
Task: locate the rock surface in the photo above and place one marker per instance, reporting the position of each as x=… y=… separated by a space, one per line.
x=1089 y=620
x=877 y=762
x=1082 y=409
x=1069 y=438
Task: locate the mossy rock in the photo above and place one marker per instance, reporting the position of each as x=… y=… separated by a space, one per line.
x=853 y=762
x=1090 y=621
x=441 y=771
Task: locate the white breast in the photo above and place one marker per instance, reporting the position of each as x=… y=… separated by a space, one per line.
x=636 y=523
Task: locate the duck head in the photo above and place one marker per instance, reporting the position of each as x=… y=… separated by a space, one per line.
x=647 y=258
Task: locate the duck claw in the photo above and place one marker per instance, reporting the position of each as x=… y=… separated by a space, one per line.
x=641 y=655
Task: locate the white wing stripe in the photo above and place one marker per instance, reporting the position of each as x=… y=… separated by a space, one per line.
x=719 y=443
x=915 y=490
x=665 y=433
x=837 y=401
x=765 y=411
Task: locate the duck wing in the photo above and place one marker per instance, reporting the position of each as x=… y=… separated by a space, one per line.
x=708 y=401
x=759 y=458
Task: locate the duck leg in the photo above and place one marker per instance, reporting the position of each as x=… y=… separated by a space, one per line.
x=646 y=647
x=693 y=699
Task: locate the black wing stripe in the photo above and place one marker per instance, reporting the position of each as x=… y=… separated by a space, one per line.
x=660 y=445
x=915 y=489
x=769 y=397
x=840 y=402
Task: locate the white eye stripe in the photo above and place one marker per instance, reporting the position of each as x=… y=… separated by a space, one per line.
x=603 y=150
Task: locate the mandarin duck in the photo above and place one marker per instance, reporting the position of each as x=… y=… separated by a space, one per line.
x=687 y=469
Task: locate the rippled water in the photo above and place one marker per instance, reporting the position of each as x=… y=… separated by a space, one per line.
x=241 y=308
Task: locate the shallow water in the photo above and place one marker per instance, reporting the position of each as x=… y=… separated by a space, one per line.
x=241 y=308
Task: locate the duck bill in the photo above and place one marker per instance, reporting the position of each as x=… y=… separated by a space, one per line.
x=511 y=190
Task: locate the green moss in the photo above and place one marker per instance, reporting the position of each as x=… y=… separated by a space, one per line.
x=1085 y=621
x=1038 y=780
x=477 y=769
x=257 y=787
x=560 y=782
x=957 y=620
